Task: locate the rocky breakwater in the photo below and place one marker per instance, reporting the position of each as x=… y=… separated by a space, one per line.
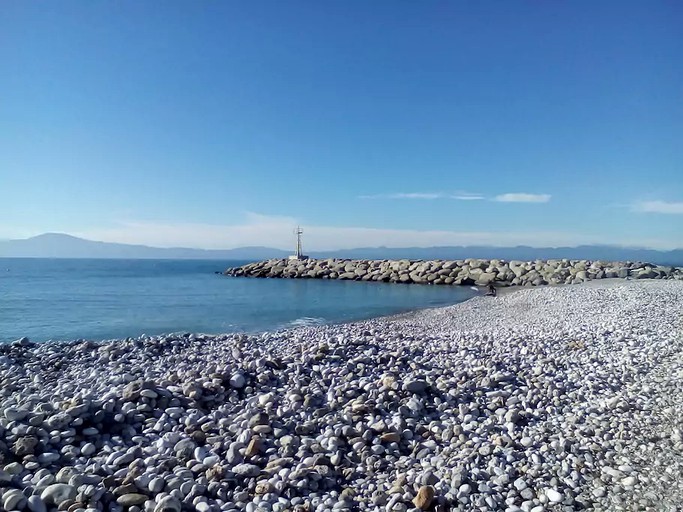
x=457 y=272
x=549 y=399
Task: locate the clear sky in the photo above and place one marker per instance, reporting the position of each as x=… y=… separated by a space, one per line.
x=221 y=124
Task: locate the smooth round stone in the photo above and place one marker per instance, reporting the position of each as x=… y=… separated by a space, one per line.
x=46 y=480
x=15 y=414
x=553 y=495
x=237 y=380
x=168 y=504
x=211 y=460
x=131 y=499
x=12 y=499
x=629 y=481
x=14 y=468
x=186 y=487
x=55 y=494
x=156 y=484
x=32 y=466
x=66 y=473
x=464 y=490
x=88 y=449
x=519 y=484
x=48 y=457
x=248 y=470
x=527 y=494
x=266 y=399
x=143 y=480
x=36 y=504
x=415 y=386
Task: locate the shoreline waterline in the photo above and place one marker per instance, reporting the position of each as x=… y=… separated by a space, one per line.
x=105 y=300
x=299 y=323
x=296 y=324
x=480 y=293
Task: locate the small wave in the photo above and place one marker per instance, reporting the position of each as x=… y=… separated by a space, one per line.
x=306 y=321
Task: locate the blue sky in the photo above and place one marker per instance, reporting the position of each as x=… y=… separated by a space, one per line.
x=221 y=124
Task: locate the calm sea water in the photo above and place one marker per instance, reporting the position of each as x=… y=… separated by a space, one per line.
x=53 y=299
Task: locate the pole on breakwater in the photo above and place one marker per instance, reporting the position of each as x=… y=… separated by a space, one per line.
x=298 y=255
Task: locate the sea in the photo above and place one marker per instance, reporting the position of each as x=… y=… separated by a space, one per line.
x=99 y=299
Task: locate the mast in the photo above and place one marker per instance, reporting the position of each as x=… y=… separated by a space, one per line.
x=298 y=232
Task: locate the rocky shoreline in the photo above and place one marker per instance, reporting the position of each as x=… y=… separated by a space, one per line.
x=457 y=272
x=547 y=399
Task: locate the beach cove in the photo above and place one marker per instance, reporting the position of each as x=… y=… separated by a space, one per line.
x=99 y=299
x=549 y=398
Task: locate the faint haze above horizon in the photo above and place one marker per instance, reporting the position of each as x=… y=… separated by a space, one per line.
x=421 y=240
x=385 y=123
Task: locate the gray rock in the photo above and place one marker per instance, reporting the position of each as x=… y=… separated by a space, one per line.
x=131 y=499
x=553 y=495
x=237 y=380
x=36 y=504
x=65 y=474
x=248 y=470
x=5 y=477
x=55 y=494
x=415 y=386
x=25 y=445
x=15 y=414
x=12 y=499
x=185 y=448
x=156 y=485
x=88 y=449
x=168 y=504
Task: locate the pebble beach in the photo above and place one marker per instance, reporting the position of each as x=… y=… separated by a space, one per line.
x=545 y=399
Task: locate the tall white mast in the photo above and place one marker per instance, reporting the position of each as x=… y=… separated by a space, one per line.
x=298 y=232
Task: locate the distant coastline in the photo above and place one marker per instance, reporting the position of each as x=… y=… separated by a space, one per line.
x=58 y=245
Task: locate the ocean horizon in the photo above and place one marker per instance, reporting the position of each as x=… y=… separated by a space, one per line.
x=99 y=299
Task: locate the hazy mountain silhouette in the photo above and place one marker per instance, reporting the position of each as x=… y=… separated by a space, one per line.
x=56 y=245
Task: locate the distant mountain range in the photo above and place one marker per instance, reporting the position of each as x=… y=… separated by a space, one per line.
x=56 y=245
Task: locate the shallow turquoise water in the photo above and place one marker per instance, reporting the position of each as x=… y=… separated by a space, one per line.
x=53 y=299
